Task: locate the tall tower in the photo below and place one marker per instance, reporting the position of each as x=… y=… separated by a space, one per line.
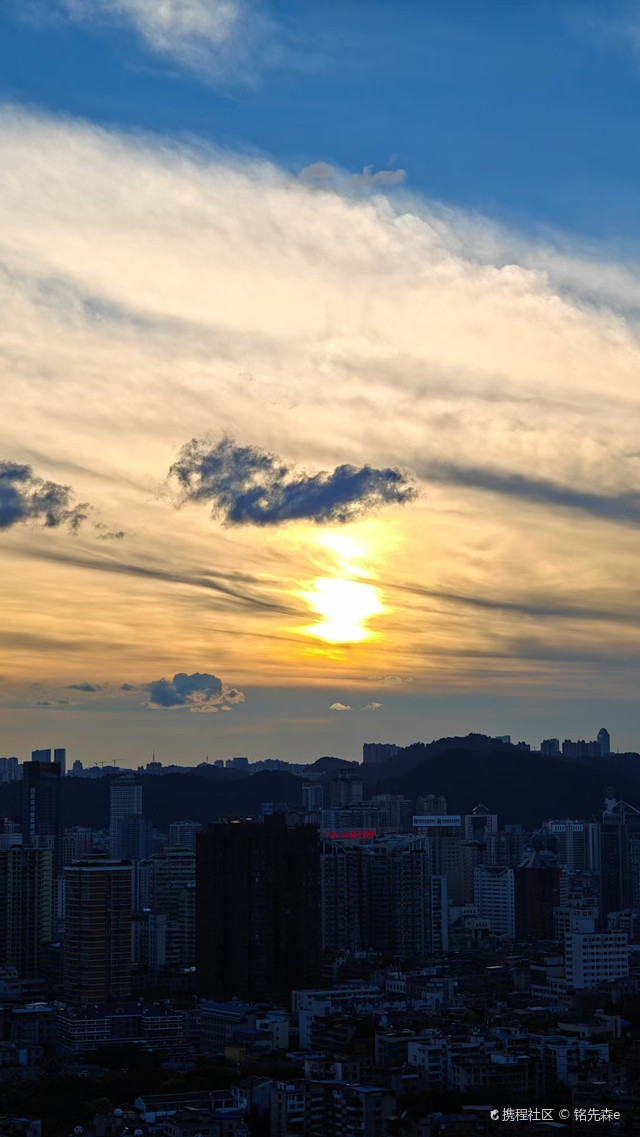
x=97 y=937
x=41 y=817
x=125 y=801
x=257 y=908
x=604 y=741
x=619 y=857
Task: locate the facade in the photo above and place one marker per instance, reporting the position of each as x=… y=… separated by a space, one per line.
x=619 y=857
x=257 y=908
x=378 y=895
x=375 y=753
x=41 y=818
x=494 y=898
x=125 y=801
x=97 y=937
x=592 y=958
x=26 y=908
x=537 y=894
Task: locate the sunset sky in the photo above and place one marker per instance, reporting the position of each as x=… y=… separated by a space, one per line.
x=320 y=359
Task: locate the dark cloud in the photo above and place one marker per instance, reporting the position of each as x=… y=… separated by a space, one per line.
x=622 y=507
x=106 y=534
x=553 y=610
x=223 y=583
x=248 y=486
x=87 y=687
x=128 y=687
x=197 y=692
x=26 y=497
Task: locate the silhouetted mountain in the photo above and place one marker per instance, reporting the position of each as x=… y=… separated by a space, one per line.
x=516 y=784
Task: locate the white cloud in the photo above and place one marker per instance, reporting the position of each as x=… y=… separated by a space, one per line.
x=214 y=38
x=339 y=707
x=151 y=292
x=372 y=707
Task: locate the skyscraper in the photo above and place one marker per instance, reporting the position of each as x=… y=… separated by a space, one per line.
x=378 y=895
x=26 y=907
x=97 y=936
x=604 y=741
x=619 y=857
x=125 y=800
x=41 y=817
x=257 y=908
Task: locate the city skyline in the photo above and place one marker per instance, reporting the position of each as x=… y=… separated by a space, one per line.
x=318 y=362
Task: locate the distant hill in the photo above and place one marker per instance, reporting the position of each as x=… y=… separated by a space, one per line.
x=516 y=784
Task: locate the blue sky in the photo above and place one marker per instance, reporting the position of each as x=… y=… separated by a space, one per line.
x=525 y=112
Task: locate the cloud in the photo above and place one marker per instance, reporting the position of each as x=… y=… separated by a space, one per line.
x=324 y=175
x=372 y=706
x=339 y=707
x=388 y=680
x=216 y=39
x=198 y=692
x=88 y=688
x=249 y=486
x=623 y=507
x=26 y=497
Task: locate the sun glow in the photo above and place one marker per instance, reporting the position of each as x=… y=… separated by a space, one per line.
x=345 y=607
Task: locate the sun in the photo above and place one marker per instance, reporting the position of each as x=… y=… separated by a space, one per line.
x=345 y=607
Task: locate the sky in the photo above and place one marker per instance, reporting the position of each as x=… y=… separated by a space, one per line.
x=319 y=362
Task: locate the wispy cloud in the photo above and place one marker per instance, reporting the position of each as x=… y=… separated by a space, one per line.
x=215 y=39
x=249 y=486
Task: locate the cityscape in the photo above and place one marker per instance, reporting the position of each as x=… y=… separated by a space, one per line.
x=342 y=960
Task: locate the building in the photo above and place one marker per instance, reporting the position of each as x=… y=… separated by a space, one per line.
x=592 y=958
x=313 y=797
x=604 y=741
x=537 y=894
x=346 y=790
x=26 y=908
x=125 y=801
x=619 y=857
x=41 y=818
x=182 y=834
x=97 y=935
x=257 y=908
x=379 y=895
x=375 y=753
x=173 y=894
x=494 y=898
x=575 y=842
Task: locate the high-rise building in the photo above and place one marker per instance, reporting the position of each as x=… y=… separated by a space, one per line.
x=173 y=879
x=125 y=800
x=378 y=895
x=604 y=741
x=346 y=790
x=494 y=897
x=26 y=907
x=257 y=908
x=575 y=842
x=313 y=797
x=10 y=770
x=182 y=834
x=537 y=893
x=375 y=753
x=619 y=857
x=97 y=935
x=41 y=816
